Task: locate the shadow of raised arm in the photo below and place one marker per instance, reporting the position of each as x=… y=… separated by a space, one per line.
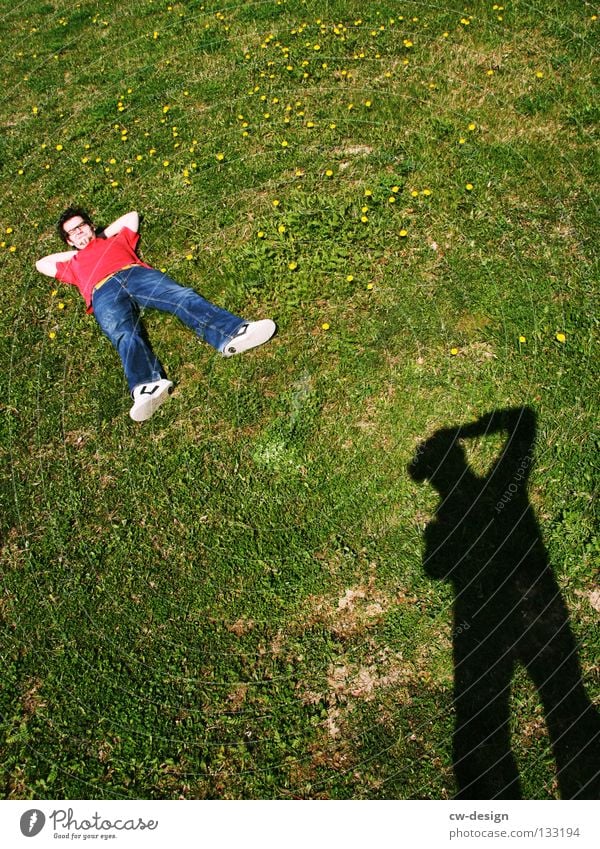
x=485 y=539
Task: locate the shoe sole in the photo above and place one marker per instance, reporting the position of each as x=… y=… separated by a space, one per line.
x=258 y=336
x=144 y=412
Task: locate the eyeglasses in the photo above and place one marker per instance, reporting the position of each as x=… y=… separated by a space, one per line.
x=77 y=229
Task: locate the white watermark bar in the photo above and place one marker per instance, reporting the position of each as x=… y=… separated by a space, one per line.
x=315 y=824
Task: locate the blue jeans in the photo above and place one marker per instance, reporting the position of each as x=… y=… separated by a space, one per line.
x=117 y=309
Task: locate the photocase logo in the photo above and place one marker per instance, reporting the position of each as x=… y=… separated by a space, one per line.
x=32 y=822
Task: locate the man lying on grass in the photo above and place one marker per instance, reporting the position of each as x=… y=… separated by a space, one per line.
x=115 y=283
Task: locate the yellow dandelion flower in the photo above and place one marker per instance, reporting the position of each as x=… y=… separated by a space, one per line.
x=59 y=147
x=391 y=199
x=52 y=334
x=61 y=305
x=560 y=337
x=395 y=189
x=275 y=202
x=282 y=228
x=9 y=230
x=471 y=127
x=469 y=187
x=284 y=143
x=454 y=351
x=220 y=157
x=189 y=257
x=426 y=192
x=414 y=193
x=522 y=339
x=539 y=75
x=461 y=141
x=369 y=286
x=166 y=163
x=403 y=234
x=329 y=173
x=368 y=193
x=364 y=219
x=350 y=278
x=261 y=234
x=325 y=326
x=292 y=265
x=54 y=293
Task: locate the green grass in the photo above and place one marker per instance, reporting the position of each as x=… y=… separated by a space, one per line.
x=228 y=601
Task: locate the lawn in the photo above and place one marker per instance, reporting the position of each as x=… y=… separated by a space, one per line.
x=232 y=600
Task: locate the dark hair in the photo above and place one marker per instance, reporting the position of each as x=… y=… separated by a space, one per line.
x=71 y=212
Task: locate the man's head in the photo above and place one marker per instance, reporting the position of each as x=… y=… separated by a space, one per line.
x=75 y=227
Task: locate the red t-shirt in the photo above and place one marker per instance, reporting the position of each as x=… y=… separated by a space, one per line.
x=99 y=259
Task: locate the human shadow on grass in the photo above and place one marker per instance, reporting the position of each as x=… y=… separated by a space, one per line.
x=486 y=541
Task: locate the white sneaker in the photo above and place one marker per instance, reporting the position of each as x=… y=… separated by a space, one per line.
x=250 y=336
x=148 y=397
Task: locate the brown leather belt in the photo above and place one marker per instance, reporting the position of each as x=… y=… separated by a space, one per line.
x=105 y=279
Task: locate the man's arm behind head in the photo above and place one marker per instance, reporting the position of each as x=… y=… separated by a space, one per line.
x=131 y=220
x=47 y=264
